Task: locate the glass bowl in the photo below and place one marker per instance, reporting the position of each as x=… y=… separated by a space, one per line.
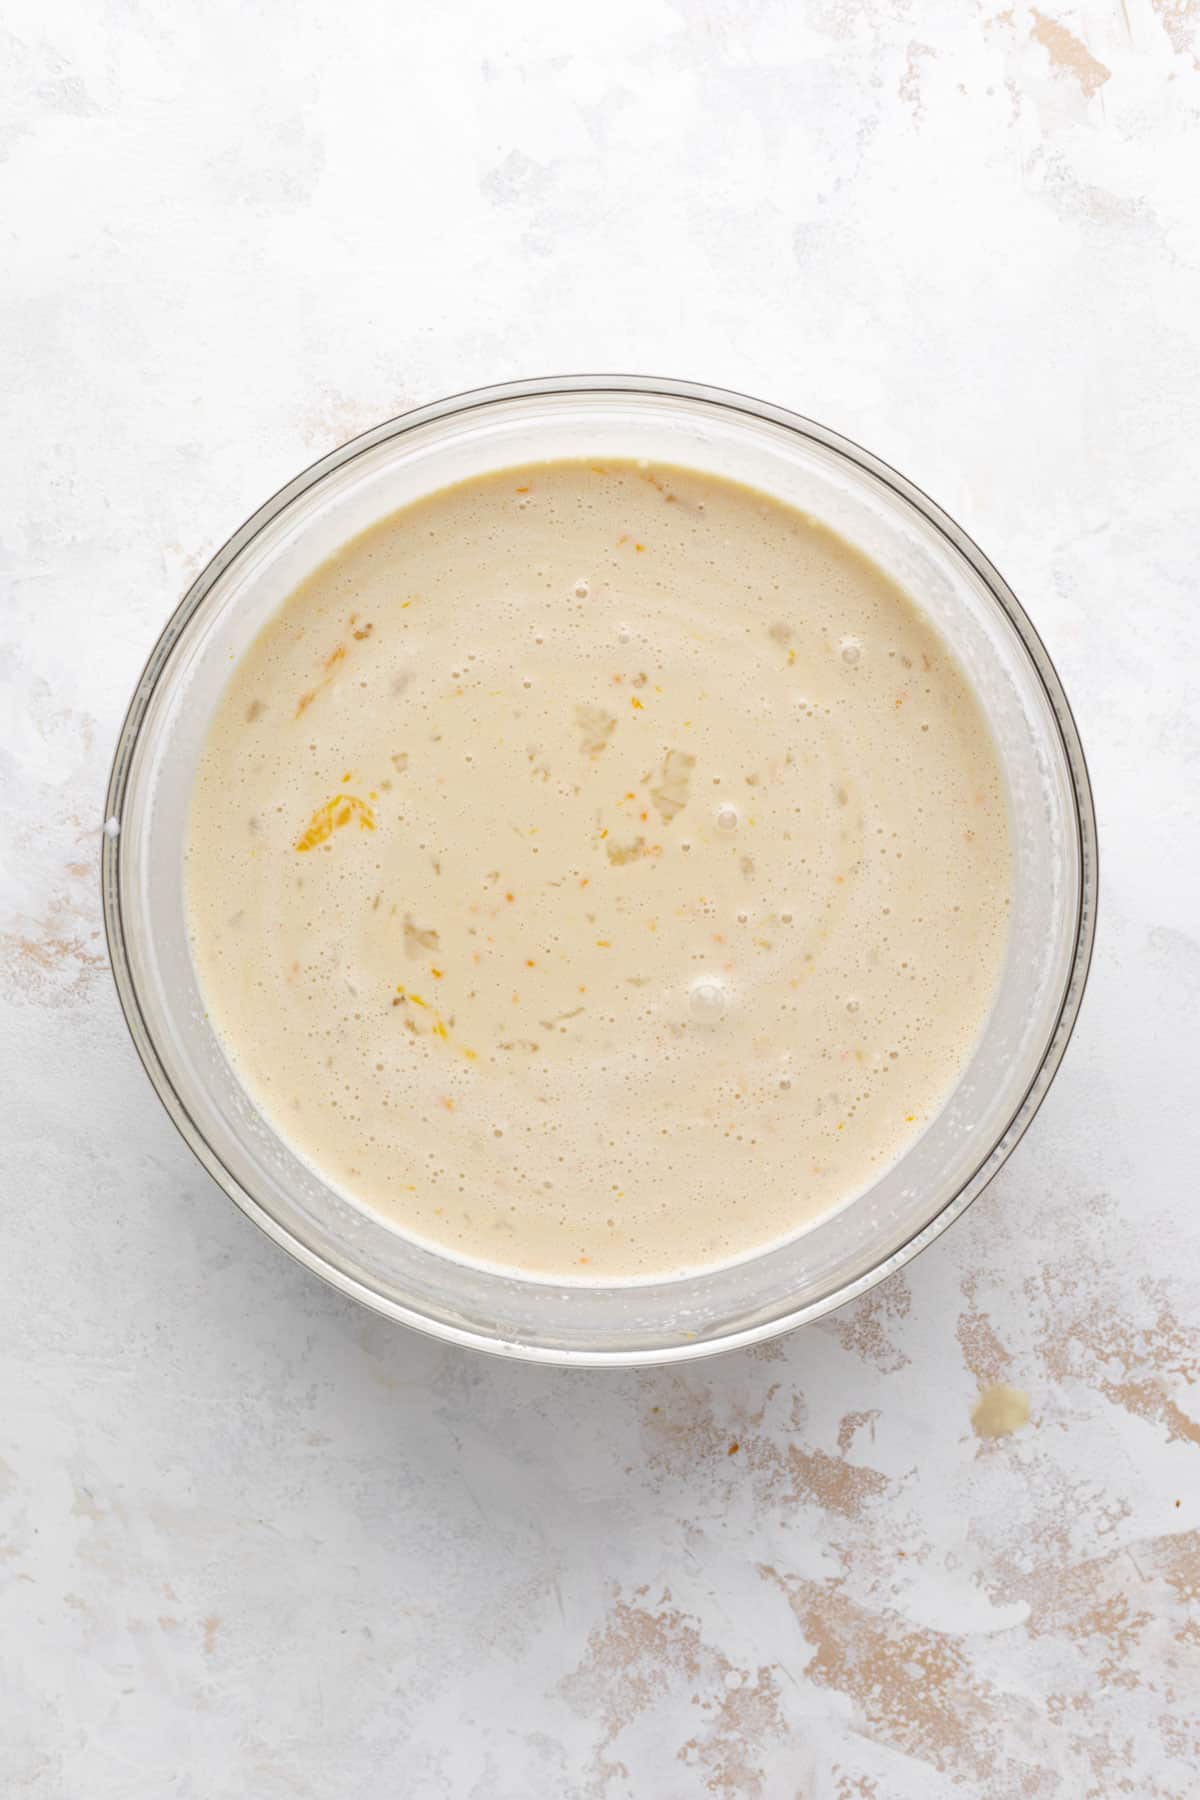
x=1054 y=847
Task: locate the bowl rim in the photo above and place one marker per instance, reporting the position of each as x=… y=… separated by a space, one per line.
x=581 y=385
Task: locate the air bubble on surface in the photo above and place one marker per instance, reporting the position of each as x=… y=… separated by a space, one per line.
x=708 y=1001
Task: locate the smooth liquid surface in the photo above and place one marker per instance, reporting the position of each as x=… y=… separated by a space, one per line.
x=599 y=870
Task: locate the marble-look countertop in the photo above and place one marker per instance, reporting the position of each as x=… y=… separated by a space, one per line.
x=255 y=1542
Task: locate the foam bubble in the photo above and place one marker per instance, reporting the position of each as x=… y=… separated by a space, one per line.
x=708 y=1000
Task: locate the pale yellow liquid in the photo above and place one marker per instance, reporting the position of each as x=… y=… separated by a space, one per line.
x=600 y=871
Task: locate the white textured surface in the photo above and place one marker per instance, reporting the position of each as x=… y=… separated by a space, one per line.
x=256 y=1542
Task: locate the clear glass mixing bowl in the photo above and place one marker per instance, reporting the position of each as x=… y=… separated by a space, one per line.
x=1054 y=834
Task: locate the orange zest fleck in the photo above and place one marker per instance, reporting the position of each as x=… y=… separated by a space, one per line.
x=529 y=963
x=522 y=490
x=439 y=1029
x=335 y=656
x=639 y=546
x=341 y=810
x=447 y=1102
x=471 y=1055
x=437 y=973
x=603 y=944
x=634 y=701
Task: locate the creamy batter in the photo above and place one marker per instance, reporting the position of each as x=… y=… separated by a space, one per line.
x=600 y=870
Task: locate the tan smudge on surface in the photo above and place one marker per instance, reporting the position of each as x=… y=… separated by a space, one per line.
x=1124 y=1600
x=1131 y=1363
x=914 y=1687
x=999 y=1411
x=338 y=418
x=861 y=1327
x=211 y=1627
x=982 y=1352
x=910 y=81
x=636 y=1656
x=745 y=1719
x=58 y=956
x=1069 y=55
x=684 y=1435
x=852 y=1424
x=1075 y=198
x=681 y=1427
x=794 y=1475
x=1180 y=19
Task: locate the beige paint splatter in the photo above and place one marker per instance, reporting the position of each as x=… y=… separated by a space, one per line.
x=1180 y=21
x=982 y=1351
x=852 y=1424
x=913 y=1687
x=637 y=1656
x=339 y=417
x=1069 y=55
x=1120 y=1601
x=999 y=1411
x=684 y=1437
x=796 y=1475
x=1134 y=1363
x=856 y=1787
x=910 y=81
x=60 y=955
x=861 y=1327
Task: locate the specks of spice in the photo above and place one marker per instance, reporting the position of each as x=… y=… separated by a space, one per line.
x=342 y=810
